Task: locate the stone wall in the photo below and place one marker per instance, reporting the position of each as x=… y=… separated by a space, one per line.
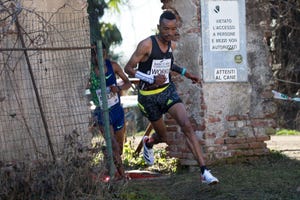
x=230 y=119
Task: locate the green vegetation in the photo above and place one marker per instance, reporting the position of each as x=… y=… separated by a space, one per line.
x=163 y=163
x=287 y=132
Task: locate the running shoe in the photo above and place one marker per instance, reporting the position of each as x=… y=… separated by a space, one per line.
x=147 y=152
x=208 y=178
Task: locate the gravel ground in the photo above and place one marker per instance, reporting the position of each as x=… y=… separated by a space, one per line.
x=289 y=145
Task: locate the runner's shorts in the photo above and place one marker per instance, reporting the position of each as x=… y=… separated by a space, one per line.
x=116 y=117
x=154 y=103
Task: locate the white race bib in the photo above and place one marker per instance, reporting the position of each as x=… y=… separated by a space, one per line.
x=112 y=98
x=161 y=67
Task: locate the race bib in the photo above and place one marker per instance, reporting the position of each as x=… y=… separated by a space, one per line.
x=112 y=98
x=161 y=67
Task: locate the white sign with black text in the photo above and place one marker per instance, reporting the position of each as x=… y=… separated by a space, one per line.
x=224 y=41
x=226 y=74
x=224 y=25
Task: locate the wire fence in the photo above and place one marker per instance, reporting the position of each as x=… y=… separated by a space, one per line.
x=44 y=67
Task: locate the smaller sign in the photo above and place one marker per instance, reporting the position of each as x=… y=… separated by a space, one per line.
x=238 y=59
x=226 y=74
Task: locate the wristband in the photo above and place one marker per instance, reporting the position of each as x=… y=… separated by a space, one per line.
x=183 y=71
x=145 y=77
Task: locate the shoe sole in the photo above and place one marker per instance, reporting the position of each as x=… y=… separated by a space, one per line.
x=213 y=183
x=146 y=156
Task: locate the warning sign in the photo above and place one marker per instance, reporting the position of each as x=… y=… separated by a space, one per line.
x=224 y=25
x=226 y=74
x=224 y=42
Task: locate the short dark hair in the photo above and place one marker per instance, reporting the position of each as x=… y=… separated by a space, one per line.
x=94 y=52
x=103 y=45
x=167 y=15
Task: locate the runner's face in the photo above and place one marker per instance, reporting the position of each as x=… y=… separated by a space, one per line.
x=167 y=29
x=104 y=54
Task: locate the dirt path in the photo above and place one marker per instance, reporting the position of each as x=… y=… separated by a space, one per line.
x=289 y=145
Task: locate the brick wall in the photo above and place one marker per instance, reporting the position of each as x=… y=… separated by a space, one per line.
x=229 y=119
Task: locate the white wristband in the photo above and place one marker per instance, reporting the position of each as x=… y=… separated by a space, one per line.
x=145 y=77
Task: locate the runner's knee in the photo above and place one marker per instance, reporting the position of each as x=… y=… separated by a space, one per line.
x=186 y=125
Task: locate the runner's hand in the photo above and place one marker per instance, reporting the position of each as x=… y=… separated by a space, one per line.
x=114 y=89
x=195 y=79
x=159 y=79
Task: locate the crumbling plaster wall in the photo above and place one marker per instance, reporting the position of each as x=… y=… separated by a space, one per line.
x=230 y=119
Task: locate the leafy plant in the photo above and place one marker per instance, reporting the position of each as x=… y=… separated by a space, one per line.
x=163 y=163
x=287 y=132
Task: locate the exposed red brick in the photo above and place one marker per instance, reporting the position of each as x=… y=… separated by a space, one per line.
x=219 y=141
x=201 y=142
x=176 y=155
x=237 y=153
x=262 y=138
x=232 y=118
x=188 y=162
x=203 y=107
x=261 y=151
x=251 y=139
x=257 y=145
x=213 y=119
x=271 y=115
x=234 y=140
x=259 y=123
x=201 y=127
x=209 y=135
x=238 y=146
x=236 y=117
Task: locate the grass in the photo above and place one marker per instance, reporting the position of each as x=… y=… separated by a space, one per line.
x=269 y=177
x=287 y=132
x=77 y=175
x=275 y=176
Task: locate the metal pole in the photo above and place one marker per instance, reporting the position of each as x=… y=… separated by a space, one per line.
x=105 y=109
x=36 y=92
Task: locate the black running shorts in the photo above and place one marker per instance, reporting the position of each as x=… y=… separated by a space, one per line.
x=154 y=103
